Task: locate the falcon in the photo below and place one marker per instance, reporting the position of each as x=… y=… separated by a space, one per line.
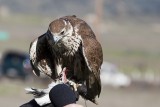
x=71 y=46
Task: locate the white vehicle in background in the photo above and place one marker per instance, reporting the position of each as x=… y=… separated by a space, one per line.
x=111 y=76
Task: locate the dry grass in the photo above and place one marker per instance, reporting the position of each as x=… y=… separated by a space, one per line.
x=12 y=94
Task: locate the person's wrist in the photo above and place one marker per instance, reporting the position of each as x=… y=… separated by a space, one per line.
x=31 y=103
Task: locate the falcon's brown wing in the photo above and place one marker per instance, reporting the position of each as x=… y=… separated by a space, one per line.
x=41 y=58
x=93 y=56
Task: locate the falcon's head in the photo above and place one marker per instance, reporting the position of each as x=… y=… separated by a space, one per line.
x=63 y=37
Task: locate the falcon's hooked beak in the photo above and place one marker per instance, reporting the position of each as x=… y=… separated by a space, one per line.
x=53 y=39
x=57 y=38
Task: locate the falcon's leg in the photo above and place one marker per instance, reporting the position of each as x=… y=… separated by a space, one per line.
x=72 y=84
x=79 y=89
x=64 y=79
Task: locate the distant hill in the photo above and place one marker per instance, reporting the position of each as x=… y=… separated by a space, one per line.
x=47 y=7
x=111 y=7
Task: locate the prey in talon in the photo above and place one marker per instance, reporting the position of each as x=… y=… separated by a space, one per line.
x=41 y=92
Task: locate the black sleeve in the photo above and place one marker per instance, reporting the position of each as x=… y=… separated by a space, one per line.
x=33 y=103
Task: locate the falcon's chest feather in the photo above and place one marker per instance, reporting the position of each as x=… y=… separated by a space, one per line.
x=69 y=45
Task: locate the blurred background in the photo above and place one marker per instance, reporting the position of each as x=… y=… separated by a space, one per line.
x=128 y=30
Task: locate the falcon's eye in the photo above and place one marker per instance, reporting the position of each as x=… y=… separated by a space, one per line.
x=62 y=33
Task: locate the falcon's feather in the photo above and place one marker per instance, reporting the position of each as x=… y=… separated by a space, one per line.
x=69 y=42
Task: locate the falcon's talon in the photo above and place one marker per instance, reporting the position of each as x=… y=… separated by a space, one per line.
x=74 y=85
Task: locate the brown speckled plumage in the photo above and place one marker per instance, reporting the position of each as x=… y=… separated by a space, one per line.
x=77 y=49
